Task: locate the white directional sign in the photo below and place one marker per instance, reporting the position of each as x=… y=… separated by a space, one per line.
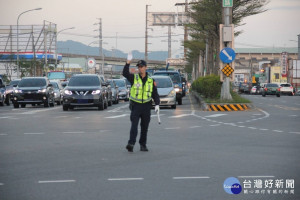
x=227 y=55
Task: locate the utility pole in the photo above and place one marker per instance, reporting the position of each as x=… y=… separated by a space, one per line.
x=146 y=35
x=185 y=28
x=227 y=19
x=299 y=47
x=101 y=47
x=169 y=42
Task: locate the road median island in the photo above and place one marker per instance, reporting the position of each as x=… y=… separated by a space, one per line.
x=222 y=107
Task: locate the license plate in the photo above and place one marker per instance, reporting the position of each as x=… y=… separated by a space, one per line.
x=82 y=101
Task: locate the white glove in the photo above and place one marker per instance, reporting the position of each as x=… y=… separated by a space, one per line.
x=157 y=109
x=129 y=56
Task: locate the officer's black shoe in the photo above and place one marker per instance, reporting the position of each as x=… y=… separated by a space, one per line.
x=144 y=148
x=129 y=147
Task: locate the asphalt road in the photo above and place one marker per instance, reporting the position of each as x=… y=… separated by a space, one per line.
x=46 y=153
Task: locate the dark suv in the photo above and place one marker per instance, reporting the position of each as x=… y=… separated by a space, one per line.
x=177 y=80
x=33 y=90
x=85 y=90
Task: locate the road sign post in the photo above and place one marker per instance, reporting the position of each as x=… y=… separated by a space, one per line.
x=227 y=3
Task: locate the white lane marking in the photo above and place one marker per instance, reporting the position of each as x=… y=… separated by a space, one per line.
x=102 y=131
x=252 y=127
x=77 y=117
x=41 y=110
x=215 y=125
x=241 y=126
x=195 y=126
x=118 y=109
x=278 y=131
x=61 y=116
x=293 y=115
x=125 y=179
x=178 y=116
x=295 y=132
x=74 y=132
x=34 y=133
x=1 y=184
x=5 y=117
x=2 y=134
x=263 y=129
x=256 y=114
x=156 y=115
x=256 y=176
x=215 y=115
x=191 y=177
x=172 y=128
x=58 y=181
x=117 y=116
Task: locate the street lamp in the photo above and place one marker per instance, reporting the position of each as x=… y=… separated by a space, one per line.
x=56 y=43
x=18 y=68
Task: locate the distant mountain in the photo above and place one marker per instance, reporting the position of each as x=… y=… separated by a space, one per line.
x=74 y=47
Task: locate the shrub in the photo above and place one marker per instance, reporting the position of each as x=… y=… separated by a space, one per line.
x=208 y=86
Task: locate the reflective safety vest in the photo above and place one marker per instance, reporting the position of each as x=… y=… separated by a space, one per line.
x=141 y=94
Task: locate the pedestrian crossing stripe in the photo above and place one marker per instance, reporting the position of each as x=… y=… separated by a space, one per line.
x=227 y=107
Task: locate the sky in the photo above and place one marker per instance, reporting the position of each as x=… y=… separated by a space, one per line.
x=122 y=19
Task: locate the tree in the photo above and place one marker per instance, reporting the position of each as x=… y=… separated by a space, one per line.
x=207 y=16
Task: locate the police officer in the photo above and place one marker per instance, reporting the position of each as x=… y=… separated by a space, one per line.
x=143 y=89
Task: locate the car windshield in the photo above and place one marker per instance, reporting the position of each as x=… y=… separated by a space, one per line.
x=15 y=82
x=56 y=75
x=84 y=81
x=120 y=83
x=163 y=83
x=272 y=85
x=174 y=76
x=55 y=85
x=32 y=83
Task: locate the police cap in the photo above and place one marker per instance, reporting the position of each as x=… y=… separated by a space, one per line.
x=141 y=63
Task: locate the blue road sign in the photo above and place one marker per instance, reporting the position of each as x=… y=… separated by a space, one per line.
x=227 y=55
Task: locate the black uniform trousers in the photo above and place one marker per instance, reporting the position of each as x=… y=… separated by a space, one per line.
x=143 y=111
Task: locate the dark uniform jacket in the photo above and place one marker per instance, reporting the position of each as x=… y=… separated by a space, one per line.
x=130 y=78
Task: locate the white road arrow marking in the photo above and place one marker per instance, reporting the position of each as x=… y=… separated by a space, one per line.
x=228 y=56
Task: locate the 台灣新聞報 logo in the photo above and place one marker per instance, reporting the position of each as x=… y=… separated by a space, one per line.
x=232 y=186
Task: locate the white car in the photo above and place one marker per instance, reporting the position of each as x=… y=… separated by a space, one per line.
x=254 y=90
x=286 y=88
x=166 y=91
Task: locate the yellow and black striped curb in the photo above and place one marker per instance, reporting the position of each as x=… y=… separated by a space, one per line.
x=227 y=107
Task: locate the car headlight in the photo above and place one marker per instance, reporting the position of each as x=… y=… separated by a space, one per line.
x=172 y=93
x=96 y=92
x=176 y=89
x=17 y=91
x=42 y=91
x=68 y=92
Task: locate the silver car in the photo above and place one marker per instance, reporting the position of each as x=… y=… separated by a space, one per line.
x=123 y=90
x=57 y=87
x=166 y=91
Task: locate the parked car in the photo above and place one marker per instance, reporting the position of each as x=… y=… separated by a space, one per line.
x=123 y=90
x=85 y=90
x=58 y=89
x=33 y=90
x=114 y=90
x=286 y=88
x=177 y=81
x=10 y=89
x=271 y=89
x=166 y=91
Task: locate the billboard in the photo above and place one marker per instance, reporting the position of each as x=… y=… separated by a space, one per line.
x=168 y=18
x=284 y=64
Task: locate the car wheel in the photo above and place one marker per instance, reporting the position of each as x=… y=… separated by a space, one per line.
x=46 y=104
x=101 y=105
x=52 y=103
x=264 y=95
x=180 y=101
x=58 y=103
x=278 y=95
x=7 y=101
x=110 y=102
x=16 y=105
x=173 y=106
x=33 y=104
x=23 y=105
x=65 y=108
